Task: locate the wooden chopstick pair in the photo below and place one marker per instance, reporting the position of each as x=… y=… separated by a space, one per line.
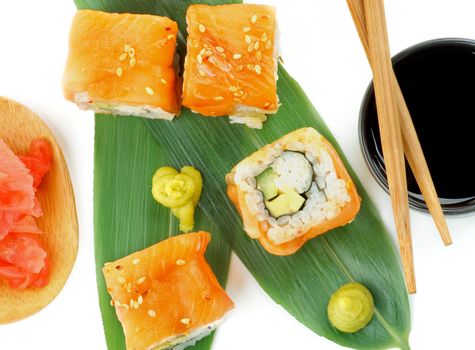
x=398 y=134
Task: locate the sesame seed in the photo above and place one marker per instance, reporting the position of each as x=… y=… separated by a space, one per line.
x=125 y=307
x=131 y=52
x=199 y=59
x=132 y=61
x=233 y=89
x=136 y=261
x=209 y=53
x=219 y=98
x=202 y=72
x=202 y=51
x=219 y=49
x=250 y=48
x=152 y=313
x=254 y=19
x=149 y=90
x=132 y=302
x=256 y=45
x=180 y=262
x=266 y=105
x=141 y=280
x=140 y=300
x=238 y=100
x=268 y=45
x=195 y=43
x=264 y=37
x=239 y=68
x=259 y=56
x=237 y=56
x=136 y=305
x=122 y=56
x=170 y=37
x=126 y=47
x=121 y=280
x=247 y=39
x=185 y=321
x=257 y=68
x=129 y=287
x=250 y=66
x=112 y=302
x=163 y=81
x=119 y=71
x=202 y=28
x=246 y=29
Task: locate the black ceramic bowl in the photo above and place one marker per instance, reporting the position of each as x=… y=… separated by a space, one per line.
x=437 y=79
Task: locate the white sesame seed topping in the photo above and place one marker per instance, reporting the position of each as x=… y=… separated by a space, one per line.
x=136 y=261
x=136 y=305
x=125 y=307
x=254 y=19
x=264 y=37
x=237 y=56
x=259 y=56
x=219 y=49
x=149 y=90
x=119 y=71
x=126 y=47
x=199 y=58
x=163 y=81
x=132 y=61
x=267 y=104
x=268 y=45
x=247 y=39
x=246 y=29
x=202 y=72
x=122 y=56
x=219 y=98
x=131 y=52
x=256 y=45
x=180 y=262
x=152 y=313
x=140 y=300
x=233 y=89
x=250 y=48
x=202 y=51
x=141 y=280
x=250 y=66
x=121 y=280
x=185 y=321
x=257 y=68
x=202 y=28
x=170 y=37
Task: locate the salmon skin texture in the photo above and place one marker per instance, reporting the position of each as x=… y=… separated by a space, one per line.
x=231 y=59
x=122 y=60
x=166 y=292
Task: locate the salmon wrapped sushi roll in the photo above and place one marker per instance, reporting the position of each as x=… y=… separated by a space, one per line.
x=292 y=190
x=166 y=296
x=231 y=64
x=123 y=64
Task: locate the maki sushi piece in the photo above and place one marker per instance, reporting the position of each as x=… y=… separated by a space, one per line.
x=123 y=64
x=231 y=65
x=292 y=190
x=166 y=296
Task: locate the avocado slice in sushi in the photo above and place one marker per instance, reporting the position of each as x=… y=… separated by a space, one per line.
x=266 y=184
x=287 y=203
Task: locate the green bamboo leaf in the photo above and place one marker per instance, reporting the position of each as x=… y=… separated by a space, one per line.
x=301 y=283
x=126 y=217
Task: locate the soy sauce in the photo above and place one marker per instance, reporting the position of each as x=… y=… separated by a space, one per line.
x=438 y=82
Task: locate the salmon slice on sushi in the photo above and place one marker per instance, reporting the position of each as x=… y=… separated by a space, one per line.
x=123 y=64
x=292 y=190
x=231 y=64
x=166 y=296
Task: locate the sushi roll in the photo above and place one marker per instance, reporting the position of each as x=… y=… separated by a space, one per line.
x=123 y=64
x=292 y=190
x=231 y=65
x=166 y=296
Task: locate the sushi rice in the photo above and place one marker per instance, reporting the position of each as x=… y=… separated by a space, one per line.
x=326 y=196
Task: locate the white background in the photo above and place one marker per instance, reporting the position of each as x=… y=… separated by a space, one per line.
x=322 y=51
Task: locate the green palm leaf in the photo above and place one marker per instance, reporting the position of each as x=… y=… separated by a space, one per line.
x=301 y=283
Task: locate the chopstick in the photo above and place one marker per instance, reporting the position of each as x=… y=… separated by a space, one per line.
x=390 y=130
x=411 y=144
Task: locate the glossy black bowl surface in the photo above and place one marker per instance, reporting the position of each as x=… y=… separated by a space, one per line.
x=437 y=79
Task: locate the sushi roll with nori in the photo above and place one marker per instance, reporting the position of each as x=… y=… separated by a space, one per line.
x=123 y=64
x=292 y=190
x=231 y=64
x=166 y=296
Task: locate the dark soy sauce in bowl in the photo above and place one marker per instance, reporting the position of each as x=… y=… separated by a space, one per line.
x=437 y=79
